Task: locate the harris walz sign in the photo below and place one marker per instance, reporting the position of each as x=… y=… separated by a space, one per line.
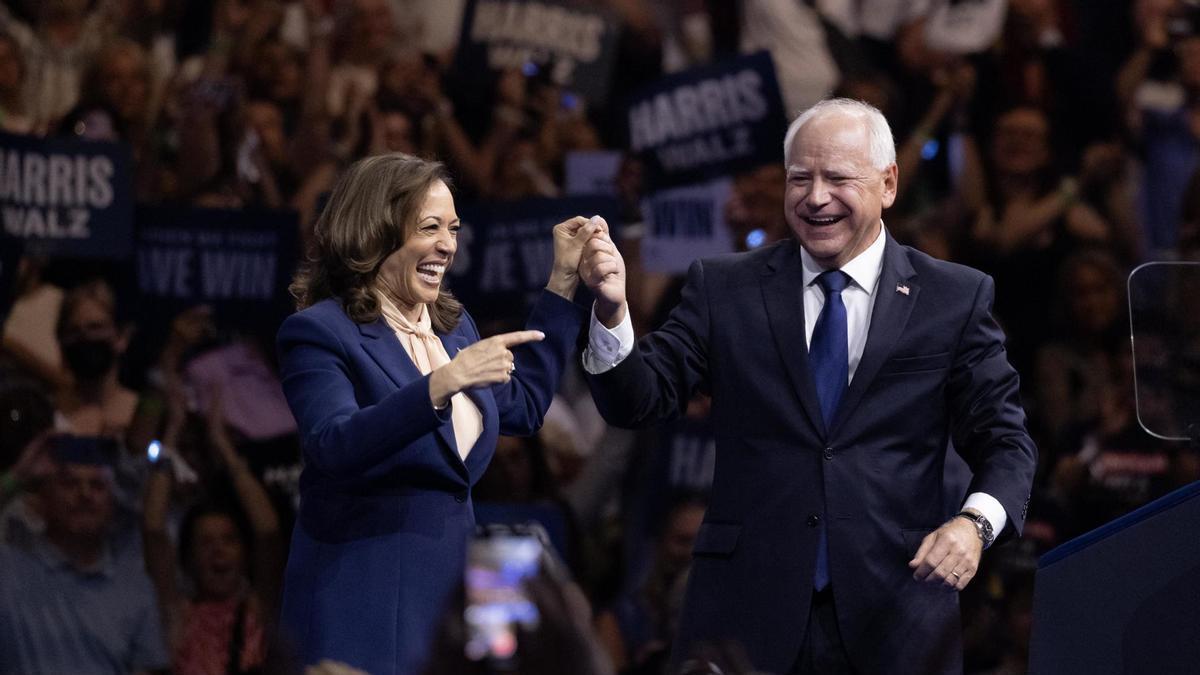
x=708 y=122
x=573 y=43
x=65 y=197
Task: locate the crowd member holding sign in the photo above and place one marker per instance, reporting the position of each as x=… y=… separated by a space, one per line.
x=399 y=403
x=841 y=366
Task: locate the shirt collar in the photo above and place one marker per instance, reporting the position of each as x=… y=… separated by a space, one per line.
x=864 y=269
x=55 y=559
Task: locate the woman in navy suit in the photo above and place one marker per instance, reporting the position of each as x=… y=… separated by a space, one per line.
x=399 y=403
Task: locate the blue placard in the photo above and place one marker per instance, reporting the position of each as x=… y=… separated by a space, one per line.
x=67 y=198
x=570 y=43
x=505 y=251
x=677 y=462
x=685 y=223
x=592 y=172
x=708 y=122
x=239 y=262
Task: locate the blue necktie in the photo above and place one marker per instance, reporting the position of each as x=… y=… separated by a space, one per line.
x=829 y=358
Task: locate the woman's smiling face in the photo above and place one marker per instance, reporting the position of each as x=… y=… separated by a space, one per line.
x=412 y=275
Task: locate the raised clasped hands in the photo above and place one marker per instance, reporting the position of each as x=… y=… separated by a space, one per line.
x=491 y=361
x=603 y=271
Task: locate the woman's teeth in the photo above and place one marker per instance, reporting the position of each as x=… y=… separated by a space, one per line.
x=431 y=273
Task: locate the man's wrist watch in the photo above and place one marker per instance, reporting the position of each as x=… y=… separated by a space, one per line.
x=983 y=526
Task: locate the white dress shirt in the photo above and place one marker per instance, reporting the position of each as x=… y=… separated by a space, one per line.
x=608 y=347
x=858 y=297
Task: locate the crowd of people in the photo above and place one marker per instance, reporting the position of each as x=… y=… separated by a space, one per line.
x=148 y=477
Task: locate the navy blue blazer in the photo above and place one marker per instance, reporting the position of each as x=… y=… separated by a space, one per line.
x=385 y=500
x=934 y=370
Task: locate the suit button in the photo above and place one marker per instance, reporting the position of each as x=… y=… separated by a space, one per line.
x=828 y=453
x=460 y=497
x=813 y=521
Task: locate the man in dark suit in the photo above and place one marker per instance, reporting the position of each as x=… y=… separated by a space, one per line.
x=841 y=366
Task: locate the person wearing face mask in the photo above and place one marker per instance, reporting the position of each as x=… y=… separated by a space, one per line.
x=95 y=403
x=399 y=403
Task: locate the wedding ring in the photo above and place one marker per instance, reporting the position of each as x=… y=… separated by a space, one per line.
x=956 y=575
x=512 y=368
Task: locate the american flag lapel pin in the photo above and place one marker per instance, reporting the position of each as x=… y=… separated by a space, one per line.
x=902 y=289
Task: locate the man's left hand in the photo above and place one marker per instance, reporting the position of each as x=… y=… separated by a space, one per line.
x=949 y=555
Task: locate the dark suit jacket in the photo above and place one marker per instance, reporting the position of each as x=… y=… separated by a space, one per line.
x=385 y=500
x=934 y=370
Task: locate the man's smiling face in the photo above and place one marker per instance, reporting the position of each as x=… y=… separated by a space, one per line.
x=835 y=194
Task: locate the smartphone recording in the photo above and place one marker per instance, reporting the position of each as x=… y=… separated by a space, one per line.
x=498 y=603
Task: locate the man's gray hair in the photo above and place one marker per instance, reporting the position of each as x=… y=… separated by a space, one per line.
x=882 y=150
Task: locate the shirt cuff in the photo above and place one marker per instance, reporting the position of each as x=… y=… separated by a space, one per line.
x=607 y=347
x=991 y=509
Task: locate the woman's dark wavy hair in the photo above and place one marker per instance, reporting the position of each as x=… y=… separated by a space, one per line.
x=371 y=211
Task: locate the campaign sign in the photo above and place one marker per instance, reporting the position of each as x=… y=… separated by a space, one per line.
x=571 y=44
x=67 y=198
x=677 y=462
x=506 y=250
x=685 y=223
x=591 y=172
x=10 y=255
x=239 y=262
x=709 y=121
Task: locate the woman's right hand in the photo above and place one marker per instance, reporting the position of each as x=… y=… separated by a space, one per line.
x=570 y=236
x=483 y=364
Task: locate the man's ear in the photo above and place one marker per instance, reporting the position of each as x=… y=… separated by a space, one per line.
x=891 y=177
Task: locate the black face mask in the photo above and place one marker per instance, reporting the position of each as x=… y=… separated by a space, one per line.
x=89 y=359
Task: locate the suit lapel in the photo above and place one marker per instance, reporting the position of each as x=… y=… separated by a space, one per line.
x=453 y=342
x=783 y=294
x=890 y=315
x=381 y=344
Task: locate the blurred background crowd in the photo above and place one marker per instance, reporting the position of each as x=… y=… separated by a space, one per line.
x=1051 y=143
